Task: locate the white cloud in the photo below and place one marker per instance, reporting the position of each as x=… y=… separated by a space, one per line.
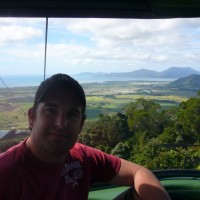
x=103 y=44
x=17 y=33
x=20 y=29
x=27 y=52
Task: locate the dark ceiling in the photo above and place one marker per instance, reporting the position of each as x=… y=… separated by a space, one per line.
x=100 y=8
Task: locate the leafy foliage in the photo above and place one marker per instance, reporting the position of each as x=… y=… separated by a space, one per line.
x=149 y=135
x=107 y=131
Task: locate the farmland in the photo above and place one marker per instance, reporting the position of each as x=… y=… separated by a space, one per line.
x=102 y=98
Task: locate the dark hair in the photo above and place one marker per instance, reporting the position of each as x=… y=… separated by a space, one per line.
x=62 y=80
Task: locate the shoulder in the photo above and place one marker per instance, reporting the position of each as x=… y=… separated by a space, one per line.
x=10 y=166
x=10 y=157
x=84 y=150
x=82 y=147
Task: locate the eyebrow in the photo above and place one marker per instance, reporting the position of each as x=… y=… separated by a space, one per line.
x=51 y=104
x=55 y=106
x=75 y=110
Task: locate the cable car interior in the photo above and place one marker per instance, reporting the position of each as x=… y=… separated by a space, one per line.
x=181 y=184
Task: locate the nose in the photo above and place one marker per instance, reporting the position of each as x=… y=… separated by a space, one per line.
x=60 y=121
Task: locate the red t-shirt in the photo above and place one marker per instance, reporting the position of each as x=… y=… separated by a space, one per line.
x=24 y=177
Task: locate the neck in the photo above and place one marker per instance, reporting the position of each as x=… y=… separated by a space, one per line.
x=44 y=156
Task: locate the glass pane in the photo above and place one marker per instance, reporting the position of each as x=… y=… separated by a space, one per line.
x=21 y=67
x=141 y=79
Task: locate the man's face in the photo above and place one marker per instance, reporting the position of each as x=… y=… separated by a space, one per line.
x=57 y=121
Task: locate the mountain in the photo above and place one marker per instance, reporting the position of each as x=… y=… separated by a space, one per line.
x=177 y=72
x=141 y=73
x=173 y=72
x=90 y=74
x=144 y=73
x=191 y=82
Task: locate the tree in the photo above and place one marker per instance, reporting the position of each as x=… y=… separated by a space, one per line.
x=106 y=132
x=121 y=150
x=168 y=136
x=188 y=120
x=145 y=116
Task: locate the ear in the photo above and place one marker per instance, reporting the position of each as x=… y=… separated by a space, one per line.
x=82 y=123
x=31 y=117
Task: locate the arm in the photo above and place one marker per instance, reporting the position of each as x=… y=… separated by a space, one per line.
x=142 y=180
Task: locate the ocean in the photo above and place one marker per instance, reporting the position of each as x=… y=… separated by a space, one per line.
x=34 y=80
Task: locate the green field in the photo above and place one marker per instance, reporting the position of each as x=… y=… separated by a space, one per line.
x=102 y=98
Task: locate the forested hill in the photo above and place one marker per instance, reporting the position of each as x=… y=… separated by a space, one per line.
x=191 y=82
x=173 y=72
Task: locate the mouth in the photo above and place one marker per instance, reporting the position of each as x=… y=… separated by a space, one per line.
x=59 y=134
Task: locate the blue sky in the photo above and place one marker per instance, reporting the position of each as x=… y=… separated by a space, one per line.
x=98 y=45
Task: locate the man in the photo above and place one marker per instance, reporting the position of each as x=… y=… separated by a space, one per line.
x=51 y=165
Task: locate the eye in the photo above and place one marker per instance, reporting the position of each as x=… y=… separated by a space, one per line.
x=73 y=114
x=50 y=110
